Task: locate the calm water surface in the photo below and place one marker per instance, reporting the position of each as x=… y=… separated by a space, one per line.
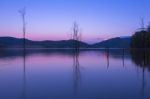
x=62 y=74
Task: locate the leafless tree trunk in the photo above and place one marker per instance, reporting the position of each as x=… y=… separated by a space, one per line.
x=23 y=16
x=76 y=36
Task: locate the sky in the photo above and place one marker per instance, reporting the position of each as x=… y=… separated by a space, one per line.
x=53 y=19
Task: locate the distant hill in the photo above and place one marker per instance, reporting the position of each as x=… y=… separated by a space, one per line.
x=11 y=42
x=118 y=42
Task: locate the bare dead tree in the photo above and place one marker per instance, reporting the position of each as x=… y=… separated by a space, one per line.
x=76 y=36
x=142 y=24
x=23 y=16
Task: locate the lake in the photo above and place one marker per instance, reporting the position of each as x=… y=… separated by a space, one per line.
x=63 y=74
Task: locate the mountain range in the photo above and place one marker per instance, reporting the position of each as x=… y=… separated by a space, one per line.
x=11 y=42
x=118 y=42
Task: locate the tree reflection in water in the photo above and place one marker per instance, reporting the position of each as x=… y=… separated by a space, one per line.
x=107 y=57
x=76 y=70
x=141 y=57
x=109 y=53
x=123 y=54
x=23 y=96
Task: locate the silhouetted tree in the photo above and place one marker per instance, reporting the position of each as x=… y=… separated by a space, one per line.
x=141 y=39
x=148 y=28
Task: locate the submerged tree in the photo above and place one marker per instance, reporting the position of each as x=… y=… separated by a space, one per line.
x=76 y=36
x=23 y=16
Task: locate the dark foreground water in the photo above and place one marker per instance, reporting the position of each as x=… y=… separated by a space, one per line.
x=63 y=74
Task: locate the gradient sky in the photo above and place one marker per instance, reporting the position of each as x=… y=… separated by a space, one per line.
x=53 y=19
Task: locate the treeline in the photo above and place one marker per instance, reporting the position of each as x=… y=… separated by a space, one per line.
x=141 y=38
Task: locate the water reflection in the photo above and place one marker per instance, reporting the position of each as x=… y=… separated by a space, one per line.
x=107 y=57
x=24 y=76
x=141 y=57
x=76 y=70
x=112 y=53
x=109 y=53
x=46 y=67
x=123 y=54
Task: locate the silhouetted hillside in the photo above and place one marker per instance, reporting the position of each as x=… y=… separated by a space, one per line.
x=114 y=43
x=10 y=42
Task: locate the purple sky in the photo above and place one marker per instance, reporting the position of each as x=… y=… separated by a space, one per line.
x=53 y=19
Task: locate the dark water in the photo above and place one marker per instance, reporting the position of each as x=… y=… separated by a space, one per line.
x=63 y=74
